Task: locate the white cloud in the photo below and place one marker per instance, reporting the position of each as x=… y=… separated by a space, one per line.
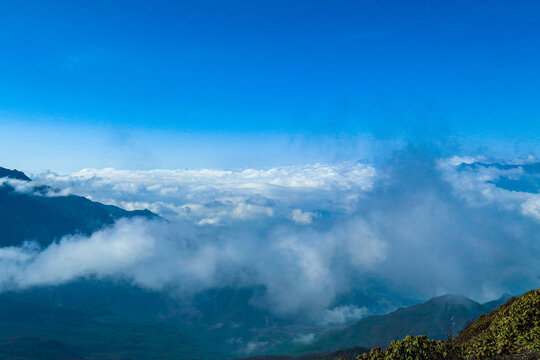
x=210 y=196
x=303 y=218
x=343 y=314
x=414 y=223
x=253 y=346
x=477 y=184
x=304 y=338
x=104 y=253
x=181 y=256
x=19 y=186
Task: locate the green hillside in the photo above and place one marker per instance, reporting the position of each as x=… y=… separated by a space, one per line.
x=512 y=328
x=512 y=331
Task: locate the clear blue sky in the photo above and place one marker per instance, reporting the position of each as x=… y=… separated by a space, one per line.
x=203 y=83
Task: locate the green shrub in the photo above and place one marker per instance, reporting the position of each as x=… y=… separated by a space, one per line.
x=410 y=348
x=511 y=331
x=512 y=328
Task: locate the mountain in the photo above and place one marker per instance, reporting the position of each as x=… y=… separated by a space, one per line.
x=110 y=318
x=40 y=213
x=438 y=318
x=492 y=305
x=31 y=347
x=510 y=332
x=30 y=331
x=13 y=174
x=346 y=354
x=221 y=319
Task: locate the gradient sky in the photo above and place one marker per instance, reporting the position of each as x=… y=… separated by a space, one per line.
x=139 y=84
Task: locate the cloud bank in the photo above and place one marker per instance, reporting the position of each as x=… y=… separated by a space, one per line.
x=309 y=234
x=222 y=197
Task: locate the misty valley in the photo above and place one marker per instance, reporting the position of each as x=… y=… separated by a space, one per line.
x=99 y=282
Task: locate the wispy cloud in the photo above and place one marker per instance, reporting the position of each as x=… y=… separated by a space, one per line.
x=343 y=314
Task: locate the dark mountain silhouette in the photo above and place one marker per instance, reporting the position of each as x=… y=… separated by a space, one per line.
x=13 y=174
x=32 y=347
x=30 y=331
x=42 y=215
x=492 y=305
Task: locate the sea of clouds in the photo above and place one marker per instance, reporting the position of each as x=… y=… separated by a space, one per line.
x=307 y=233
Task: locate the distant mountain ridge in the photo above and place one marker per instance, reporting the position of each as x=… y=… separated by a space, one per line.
x=36 y=215
x=13 y=174
x=437 y=318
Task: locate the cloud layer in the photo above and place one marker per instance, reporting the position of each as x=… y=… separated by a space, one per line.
x=425 y=226
x=221 y=197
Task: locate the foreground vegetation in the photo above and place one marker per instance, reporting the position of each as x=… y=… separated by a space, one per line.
x=512 y=331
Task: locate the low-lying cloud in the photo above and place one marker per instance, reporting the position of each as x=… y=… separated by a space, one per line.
x=423 y=225
x=105 y=253
x=219 y=197
x=343 y=314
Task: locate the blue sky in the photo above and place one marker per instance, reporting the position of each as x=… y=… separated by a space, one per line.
x=140 y=84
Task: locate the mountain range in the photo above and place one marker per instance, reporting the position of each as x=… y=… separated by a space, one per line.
x=112 y=319
x=93 y=333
